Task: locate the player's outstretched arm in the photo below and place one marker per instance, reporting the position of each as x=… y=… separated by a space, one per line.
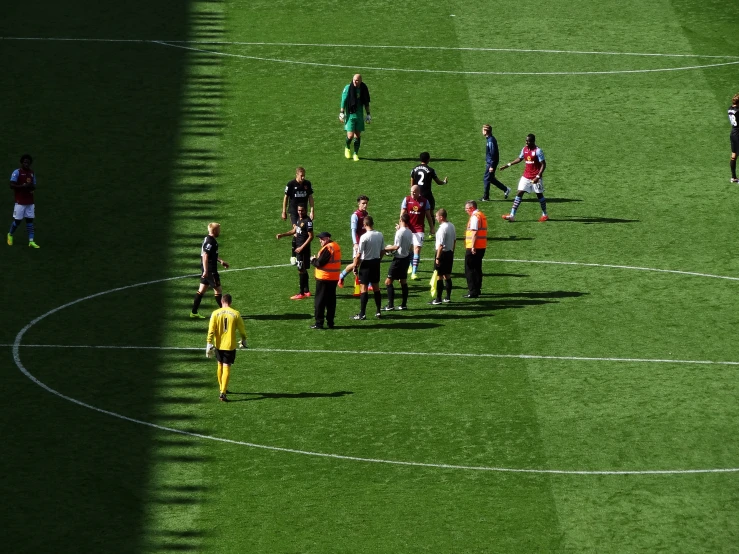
x=509 y=164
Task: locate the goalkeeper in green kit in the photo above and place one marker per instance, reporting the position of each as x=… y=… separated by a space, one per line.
x=354 y=101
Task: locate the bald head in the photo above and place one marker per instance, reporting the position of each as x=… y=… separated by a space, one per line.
x=415 y=191
x=357 y=80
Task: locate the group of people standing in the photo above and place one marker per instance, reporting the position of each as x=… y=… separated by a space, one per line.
x=368 y=244
x=416 y=209
x=369 y=247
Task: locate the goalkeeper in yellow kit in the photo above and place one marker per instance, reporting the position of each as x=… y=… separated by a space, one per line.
x=224 y=322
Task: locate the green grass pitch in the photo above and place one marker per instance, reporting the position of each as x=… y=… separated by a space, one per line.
x=586 y=403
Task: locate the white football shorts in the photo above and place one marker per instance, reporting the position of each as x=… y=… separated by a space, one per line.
x=528 y=185
x=418 y=239
x=24 y=210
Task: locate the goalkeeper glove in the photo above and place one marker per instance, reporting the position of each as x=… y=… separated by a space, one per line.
x=342 y=117
x=368 y=119
x=210 y=350
x=242 y=343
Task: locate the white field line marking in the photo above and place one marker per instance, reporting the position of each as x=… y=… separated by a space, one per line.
x=17 y=359
x=611 y=266
x=182 y=44
x=386 y=353
x=375 y=46
x=441 y=71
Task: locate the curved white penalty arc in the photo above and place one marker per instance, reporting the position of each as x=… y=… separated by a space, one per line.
x=438 y=71
x=17 y=344
x=356 y=458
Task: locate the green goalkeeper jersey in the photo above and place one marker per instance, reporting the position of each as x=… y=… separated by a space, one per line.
x=359 y=114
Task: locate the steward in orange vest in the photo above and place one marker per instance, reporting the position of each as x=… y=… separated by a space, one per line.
x=475 y=243
x=328 y=266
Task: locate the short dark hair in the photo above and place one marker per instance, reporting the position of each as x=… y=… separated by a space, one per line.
x=27 y=157
x=369 y=221
x=471 y=203
x=424 y=157
x=301 y=205
x=362 y=197
x=532 y=137
x=442 y=213
x=227 y=298
x=405 y=218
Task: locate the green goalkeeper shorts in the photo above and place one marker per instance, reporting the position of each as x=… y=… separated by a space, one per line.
x=354 y=123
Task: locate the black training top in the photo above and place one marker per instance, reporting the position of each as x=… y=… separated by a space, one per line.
x=298 y=193
x=302 y=228
x=210 y=249
x=423 y=176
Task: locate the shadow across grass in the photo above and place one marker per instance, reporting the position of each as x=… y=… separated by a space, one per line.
x=286 y=395
x=412 y=160
x=594 y=220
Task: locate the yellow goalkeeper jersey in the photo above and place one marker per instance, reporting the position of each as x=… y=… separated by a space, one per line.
x=224 y=322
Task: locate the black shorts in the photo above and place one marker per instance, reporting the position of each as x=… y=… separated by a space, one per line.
x=227 y=357
x=213 y=279
x=369 y=271
x=399 y=268
x=444 y=266
x=734 y=143
x=303 y=258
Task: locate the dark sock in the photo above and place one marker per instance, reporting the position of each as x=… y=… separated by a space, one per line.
x=304 y=283
x=390 y=295
x=357 y=142
x=378 y=299
x=732 y=164
x=218 y=300
x=196 y=302
x=348 y=142
x=363 y=299
x=543 y=204
x=404 y=291
x=14 y=226
x=439 y=288
x=30 y=230
x=448 y=287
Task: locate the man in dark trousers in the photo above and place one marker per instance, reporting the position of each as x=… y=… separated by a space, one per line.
x=492 y=159
x=328 y=265
x=302 y=233
x=475 y=243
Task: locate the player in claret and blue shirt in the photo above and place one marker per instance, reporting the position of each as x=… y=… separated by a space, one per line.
x=531 y=181
x=23 y=183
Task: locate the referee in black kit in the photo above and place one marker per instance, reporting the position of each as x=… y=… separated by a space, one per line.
x=370 y=251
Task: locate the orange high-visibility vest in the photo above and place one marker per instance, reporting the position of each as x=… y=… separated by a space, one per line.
x=481 y=234
x=330 y=271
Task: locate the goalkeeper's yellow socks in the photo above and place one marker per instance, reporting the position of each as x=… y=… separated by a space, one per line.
x=220 y=376
x=224 y=379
